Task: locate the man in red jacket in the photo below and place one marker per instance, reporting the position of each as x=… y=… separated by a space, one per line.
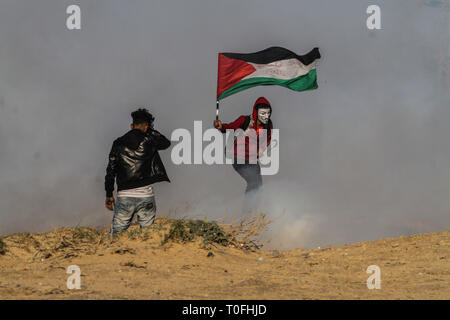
x=248 y=148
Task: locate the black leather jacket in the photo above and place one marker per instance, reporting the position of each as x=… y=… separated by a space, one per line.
x=134 y=161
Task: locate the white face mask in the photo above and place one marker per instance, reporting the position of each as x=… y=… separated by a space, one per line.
x=263 y=115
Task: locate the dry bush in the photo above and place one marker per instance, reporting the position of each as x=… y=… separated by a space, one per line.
x=244 y=232
x=240 y=233
x=2 y=247
x=185 y=230
x=64 y=243
x=78 y=239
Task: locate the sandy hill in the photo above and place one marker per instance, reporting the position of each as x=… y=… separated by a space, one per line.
x=174 y=260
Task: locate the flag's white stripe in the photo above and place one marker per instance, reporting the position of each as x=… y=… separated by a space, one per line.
x=282 y=69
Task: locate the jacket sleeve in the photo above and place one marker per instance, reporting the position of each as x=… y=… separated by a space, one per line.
x=111 y=170
x=236 y=124
x=159 y=141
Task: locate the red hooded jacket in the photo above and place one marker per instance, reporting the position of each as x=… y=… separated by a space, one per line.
x=251 y=147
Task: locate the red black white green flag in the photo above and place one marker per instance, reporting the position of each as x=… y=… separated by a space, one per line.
x=272 y=66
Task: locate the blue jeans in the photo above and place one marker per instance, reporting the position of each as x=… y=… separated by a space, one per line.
x=127 y=207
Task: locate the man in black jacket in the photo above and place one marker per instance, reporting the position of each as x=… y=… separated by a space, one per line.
x=134 y=164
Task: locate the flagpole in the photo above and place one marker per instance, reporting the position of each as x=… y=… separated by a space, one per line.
x=217 y=110
x=217 y=101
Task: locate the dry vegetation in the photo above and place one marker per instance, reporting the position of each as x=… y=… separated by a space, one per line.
x=198 y=259
x=72 y=242
x=2 y=247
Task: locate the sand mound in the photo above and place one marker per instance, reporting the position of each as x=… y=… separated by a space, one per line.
x=204 y=260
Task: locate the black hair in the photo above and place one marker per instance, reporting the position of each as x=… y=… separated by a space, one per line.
x=262 y=105
x=141 y=116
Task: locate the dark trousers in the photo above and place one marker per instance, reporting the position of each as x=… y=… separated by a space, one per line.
x=251 y=174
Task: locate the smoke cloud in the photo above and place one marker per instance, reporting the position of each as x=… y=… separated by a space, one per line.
x=363 y=157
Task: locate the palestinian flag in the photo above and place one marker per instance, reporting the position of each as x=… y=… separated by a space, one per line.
x=272 y=66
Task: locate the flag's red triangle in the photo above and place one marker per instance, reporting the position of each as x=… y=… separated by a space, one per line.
x=230 y=72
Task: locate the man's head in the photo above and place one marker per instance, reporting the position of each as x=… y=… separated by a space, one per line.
x=262 y=110
x=142 y=120
x=264 y=114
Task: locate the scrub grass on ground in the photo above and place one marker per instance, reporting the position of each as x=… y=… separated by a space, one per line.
x=2 y=247
x=136 y=265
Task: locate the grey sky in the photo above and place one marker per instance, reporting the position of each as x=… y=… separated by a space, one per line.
x=364 y=156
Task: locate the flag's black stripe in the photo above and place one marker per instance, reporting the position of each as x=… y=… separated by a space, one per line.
x=274 y=54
